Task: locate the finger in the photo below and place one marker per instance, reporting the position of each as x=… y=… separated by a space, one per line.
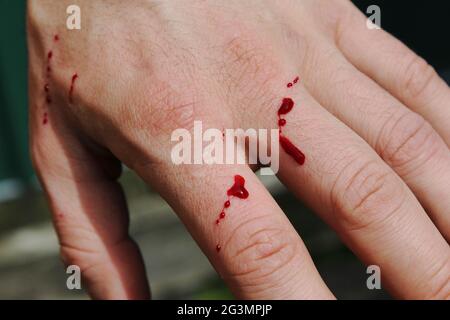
x=404 y=139
x=345 y=181
x=89 y=212
x=254 y=247
x=396 y=68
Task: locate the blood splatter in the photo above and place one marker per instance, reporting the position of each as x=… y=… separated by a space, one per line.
x=287 y=104
x=45 y=118
x=237 y=190
x=47 y=88
x=72 y=86
x=48 y=98
x=291 y=84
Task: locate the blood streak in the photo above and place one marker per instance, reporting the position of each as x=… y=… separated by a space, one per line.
x=292 y=150
x=72 y=86
x=287 y=104
x=237 y=190
x=48 y=98
x=47 y=89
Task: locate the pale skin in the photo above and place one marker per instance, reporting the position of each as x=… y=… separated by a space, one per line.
x=372 y=118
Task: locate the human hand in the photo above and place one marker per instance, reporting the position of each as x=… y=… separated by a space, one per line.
x=371 y=118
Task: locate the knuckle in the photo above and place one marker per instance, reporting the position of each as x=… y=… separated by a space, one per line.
x=72 y=254
x=408 y=141
x=418 y=76
x=169 y=109
x=259 y=251
x=249 y=71
x=440 y=282
x=365 y=194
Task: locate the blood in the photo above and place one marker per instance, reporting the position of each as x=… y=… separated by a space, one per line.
x=45 y=118
x=48 y=98
x=237 y=190
x=72 y=86
x=287 y=104
x=291 y=84
x=292 y=150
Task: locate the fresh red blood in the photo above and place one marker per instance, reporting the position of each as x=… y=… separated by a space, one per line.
x=72 y=86
x=49 y=55
x=238 y=188
x=45 y=119
x=286 y=106
x=292 y=150
x=291 y=84
x=56 y=38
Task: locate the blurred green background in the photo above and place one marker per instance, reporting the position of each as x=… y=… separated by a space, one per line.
x=29 y=263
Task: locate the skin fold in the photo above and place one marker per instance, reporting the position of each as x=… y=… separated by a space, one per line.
x=372 y=118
